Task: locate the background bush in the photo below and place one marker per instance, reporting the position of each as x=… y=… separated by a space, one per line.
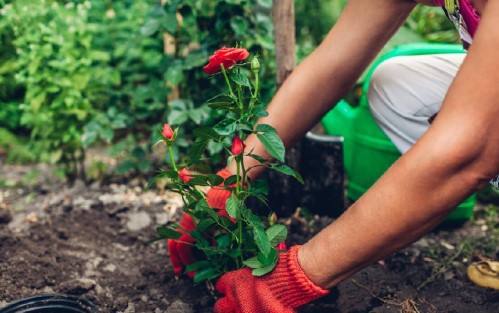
x=79 y=73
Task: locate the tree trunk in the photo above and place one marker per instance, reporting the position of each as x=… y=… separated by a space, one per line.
x=318 y=158
x=284 y=191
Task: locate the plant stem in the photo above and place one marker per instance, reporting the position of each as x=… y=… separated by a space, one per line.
x=172 y=157
x=239 y=215
x=227 y=80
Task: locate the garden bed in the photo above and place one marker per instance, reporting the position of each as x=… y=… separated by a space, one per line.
x=91 y=241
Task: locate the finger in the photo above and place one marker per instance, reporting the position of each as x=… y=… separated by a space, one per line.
x=178 y=268
x=187 y=222
x=224 y=306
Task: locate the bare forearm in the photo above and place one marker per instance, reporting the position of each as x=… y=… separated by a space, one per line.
x=330 y=71
x=457 y=155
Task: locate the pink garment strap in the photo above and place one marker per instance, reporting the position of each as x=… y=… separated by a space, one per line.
x=470 y=15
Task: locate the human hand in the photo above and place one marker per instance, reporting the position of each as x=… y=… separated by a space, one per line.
x=182 y=251
x=281 y=291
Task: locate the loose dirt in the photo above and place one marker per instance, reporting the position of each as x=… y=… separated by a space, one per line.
x=91 y=241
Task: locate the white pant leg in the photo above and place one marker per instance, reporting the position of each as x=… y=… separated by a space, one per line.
x=406 y=91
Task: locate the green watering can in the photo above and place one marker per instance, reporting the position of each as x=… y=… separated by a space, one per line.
x=368 y=152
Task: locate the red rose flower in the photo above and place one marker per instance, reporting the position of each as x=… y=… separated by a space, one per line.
x=168 y=132
x=226 y=56
x=237 y=146
x=185 y=175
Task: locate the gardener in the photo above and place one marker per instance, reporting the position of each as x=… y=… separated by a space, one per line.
x=441 y=166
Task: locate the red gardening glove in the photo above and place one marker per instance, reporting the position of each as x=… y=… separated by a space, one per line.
x=182 y=254
x=281 y=291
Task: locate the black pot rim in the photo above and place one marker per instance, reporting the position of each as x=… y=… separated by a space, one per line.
x=50 y=301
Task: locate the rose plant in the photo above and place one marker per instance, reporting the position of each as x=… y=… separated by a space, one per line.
x=239 y=237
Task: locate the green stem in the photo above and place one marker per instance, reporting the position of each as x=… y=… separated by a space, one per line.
x=227 y=80
x=239 y=219
x=257 y=82
x=172 y=157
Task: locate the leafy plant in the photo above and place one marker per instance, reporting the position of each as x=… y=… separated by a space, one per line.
x=242 y=238
x=62 y=73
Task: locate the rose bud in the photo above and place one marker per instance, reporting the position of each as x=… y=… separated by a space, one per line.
x=281 y=247
x=237 y=146
x=185 y=175
x=168 y=132
x=255 y=65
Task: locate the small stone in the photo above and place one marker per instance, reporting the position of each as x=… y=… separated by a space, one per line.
x=110 y=268
x=78 y=286
x=138 y=221
x=144 y=298
x=32 y=218
x=179 y=306
x=130 y=308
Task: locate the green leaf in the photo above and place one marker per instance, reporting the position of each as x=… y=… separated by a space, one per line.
x=267 y=259
x=288 y=171
x=174 y=74
x=239 y=25
x=170 y=23
x=168 y=233
x=223 y=241
x=152 y=181
x=207 y=133
x=264 y=270
x=197 y=149
x=232 y=205
x=277 y=234
x=222 y=106
x=260 y=186
x=197 y=266
x=230 y=181
x=258 y=158
x=265 y=128
x=253 y=263
x=150 y=27
x=172 y=174
x=240 y=79
x=202 y=205
x=199 y=180
x=261 y=240
x=273 y=144
x=125 y=167
x=226 y=127
x=215 y=180
x=261 y=113
x=206 y=274
x=204 y=224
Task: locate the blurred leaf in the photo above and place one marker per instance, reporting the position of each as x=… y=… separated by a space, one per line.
x=288 y=171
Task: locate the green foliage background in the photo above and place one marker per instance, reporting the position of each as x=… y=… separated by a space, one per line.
x=74 y=74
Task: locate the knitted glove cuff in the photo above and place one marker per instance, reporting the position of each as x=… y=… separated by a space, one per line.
x=289 y=283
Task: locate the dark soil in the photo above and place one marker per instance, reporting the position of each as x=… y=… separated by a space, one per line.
x=91 y=241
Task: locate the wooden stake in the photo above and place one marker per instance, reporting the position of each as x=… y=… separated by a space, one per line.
x=283 y=12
